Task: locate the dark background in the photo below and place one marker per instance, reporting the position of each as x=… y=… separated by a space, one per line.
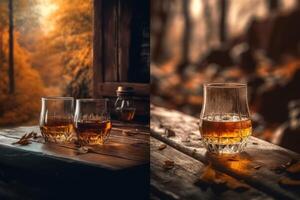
x=253 y=41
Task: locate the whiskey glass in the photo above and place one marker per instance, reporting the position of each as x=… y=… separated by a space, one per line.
x=92 y=121
x=225 y=123
x=56 y=119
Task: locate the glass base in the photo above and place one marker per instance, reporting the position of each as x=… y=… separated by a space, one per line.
x=59 y=138
x=92 y=138
x=233 y=148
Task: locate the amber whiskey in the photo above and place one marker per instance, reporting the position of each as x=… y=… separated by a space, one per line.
x=57 y=130
x=225 y=130
x=126 y=114
x=93 y=132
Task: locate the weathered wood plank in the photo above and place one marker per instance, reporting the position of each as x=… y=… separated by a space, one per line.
x=181 y=181
x=120 y=152
x=42 y=177
x=55 y=171
x=258 y=152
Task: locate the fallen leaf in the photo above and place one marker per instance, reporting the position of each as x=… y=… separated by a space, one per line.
x=24 y=140
x=289 y=182
x=294 y=168
x=208 y=175
x=257 y=167
x=232 y=159
x=169 y=132
x=161 y=147
x=129 y=133
x=168 y=164
x=212 y=177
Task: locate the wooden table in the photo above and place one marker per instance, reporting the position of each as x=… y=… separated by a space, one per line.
x=39 y=170
x=175 y=137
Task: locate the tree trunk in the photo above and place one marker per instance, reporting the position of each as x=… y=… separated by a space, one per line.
x=1 y=49
x=163 y=13
x=223 y=15
x=186 y=36
x=208 y=23
x=11 y=86
x=273 y=5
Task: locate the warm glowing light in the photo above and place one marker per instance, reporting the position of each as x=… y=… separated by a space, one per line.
x=196 y=8
x=45 y=8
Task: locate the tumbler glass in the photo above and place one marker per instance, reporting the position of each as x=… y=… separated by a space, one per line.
x=225 y=123
x=56 y=119
x=92 y=121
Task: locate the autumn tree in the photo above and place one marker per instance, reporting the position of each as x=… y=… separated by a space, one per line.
x=24 y=105
x=71 y=43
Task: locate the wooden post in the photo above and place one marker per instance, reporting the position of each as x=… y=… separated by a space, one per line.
x=11 y=87
x=97 y=46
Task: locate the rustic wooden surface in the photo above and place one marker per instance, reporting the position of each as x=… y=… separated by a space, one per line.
x=35 y=170
x=190 y=157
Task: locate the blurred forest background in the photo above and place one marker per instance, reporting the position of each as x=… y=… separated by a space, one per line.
x=253 y=41
x=45 y=50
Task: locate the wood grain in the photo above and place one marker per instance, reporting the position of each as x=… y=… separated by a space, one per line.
x=258 y=152
x=121 y=151
x=97 y=45
x=182 y=179
x=55 y=171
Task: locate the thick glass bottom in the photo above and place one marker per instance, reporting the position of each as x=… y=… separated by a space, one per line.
x=225 y=147
x=59 y=137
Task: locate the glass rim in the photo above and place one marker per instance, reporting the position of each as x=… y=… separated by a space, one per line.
x=92 y=100
x=57 y=98
x=225 y=85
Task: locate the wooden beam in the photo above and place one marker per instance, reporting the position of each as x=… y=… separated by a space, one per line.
x=97 y=45
x=109 y=88
x=124 y=39
x=110 y=40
